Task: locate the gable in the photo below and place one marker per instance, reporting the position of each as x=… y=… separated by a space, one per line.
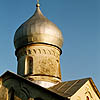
x=74 y=89
x=24 y=89
x=69 y=88
x=86 y=92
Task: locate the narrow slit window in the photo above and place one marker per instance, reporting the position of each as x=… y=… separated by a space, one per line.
x=30 y=65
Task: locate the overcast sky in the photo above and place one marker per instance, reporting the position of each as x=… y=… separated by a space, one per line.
x=79 y=21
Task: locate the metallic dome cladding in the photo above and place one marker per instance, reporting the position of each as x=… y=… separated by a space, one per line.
x=38 y=29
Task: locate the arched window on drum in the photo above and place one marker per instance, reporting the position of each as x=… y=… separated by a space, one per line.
x=30 y=65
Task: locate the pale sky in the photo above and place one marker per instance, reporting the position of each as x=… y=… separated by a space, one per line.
x=79 y=21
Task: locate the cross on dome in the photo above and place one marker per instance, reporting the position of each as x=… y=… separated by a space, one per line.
x=37 y=1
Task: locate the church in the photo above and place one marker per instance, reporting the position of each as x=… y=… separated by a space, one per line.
x=38 y=44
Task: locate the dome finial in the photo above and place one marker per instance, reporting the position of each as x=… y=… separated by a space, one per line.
x=37 y=5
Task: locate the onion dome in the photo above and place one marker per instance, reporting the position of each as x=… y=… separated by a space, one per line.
x=38 y=29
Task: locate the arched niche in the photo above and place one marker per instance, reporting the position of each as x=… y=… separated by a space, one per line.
x=11 y=94
x=29 y=65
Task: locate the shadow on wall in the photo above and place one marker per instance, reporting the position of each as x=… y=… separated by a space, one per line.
x=15 y=87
